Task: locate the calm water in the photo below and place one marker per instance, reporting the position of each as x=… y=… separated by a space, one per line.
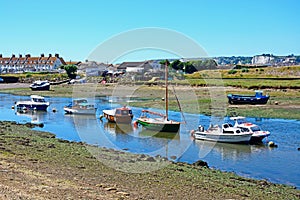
x=279 y=165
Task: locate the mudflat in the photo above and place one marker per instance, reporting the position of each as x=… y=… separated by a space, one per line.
x=13 y=85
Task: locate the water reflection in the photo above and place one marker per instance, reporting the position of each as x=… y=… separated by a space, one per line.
x=115 y=128
x=165 y=135
x=35 y=116
x=229 y=151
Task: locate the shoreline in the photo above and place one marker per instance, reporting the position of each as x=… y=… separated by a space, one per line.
x=54 y=168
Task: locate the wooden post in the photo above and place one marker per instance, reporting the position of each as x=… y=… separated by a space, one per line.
x=166 y=79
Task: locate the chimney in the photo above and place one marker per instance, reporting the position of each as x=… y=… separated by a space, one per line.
x=57 y=55
x=13 y=56
x=20 y=55
x=27 y=55
x=50 y=55
x=0 y=55
x=42 y=55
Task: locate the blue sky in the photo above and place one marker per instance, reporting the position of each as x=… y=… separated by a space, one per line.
x=222 y=27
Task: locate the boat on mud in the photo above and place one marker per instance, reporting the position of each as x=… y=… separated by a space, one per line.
x=258 y=98
x=40 y=85
x=80 y=107
x=36 y=103
x=119 y=115
x=227 y=133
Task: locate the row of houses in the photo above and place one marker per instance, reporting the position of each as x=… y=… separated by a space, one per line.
x=27 y=63
x=50 y=63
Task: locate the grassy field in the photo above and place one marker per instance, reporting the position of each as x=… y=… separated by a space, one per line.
x=263 y=73
x=36 y=165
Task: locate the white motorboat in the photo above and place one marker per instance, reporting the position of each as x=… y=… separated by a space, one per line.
x=257 y=134
x=36 y=103
x=226 y=133
x=81 y=107
x=40 y=85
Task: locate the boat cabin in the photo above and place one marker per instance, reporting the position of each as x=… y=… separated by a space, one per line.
x=79 y=101
x=258 y=93
x=123 y=111
x=36 y=98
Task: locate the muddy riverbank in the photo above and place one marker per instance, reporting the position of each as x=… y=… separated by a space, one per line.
x=36 y=165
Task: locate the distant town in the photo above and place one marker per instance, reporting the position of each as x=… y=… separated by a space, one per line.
x=52 y=62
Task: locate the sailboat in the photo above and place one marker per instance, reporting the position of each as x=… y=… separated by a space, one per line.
x=162 y=122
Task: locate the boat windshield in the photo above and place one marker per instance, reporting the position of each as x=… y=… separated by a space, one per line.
x=244 y=129
x=80 y=101
x=241 y=121
x=123 y=112
x=255 y=128
x=38 y=100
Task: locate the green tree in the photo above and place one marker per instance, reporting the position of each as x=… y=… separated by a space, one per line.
x=177 y=65
x=189 y=68
x=163 y=62
x=70 y=70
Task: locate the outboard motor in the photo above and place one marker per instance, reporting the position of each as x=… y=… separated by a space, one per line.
x=200 y=128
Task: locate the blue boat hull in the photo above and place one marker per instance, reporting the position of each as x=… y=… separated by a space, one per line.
x=32 y=107
x=240 y=99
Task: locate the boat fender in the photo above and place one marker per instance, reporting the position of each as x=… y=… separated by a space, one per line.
x=13 y=107
x=135 y=124
x=272 y=144
x=54 y=110
x=192 y=132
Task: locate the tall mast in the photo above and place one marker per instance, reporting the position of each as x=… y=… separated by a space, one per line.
x=166 y=96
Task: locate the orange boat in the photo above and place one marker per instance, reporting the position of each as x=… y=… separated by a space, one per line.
x=119 y=115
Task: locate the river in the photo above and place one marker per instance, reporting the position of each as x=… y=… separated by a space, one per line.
x=278 y=165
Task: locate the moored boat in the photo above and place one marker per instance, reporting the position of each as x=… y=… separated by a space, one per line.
x=80 y=107
x=40 y=85
x=258 y=98
x=161 y=123
x=257 y=134
x=119 y=115
x=227 y=134
x=36 y=103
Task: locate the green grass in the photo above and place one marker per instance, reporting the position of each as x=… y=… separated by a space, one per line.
x=267 y=72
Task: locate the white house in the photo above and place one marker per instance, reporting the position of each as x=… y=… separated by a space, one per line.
x=19 y=64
